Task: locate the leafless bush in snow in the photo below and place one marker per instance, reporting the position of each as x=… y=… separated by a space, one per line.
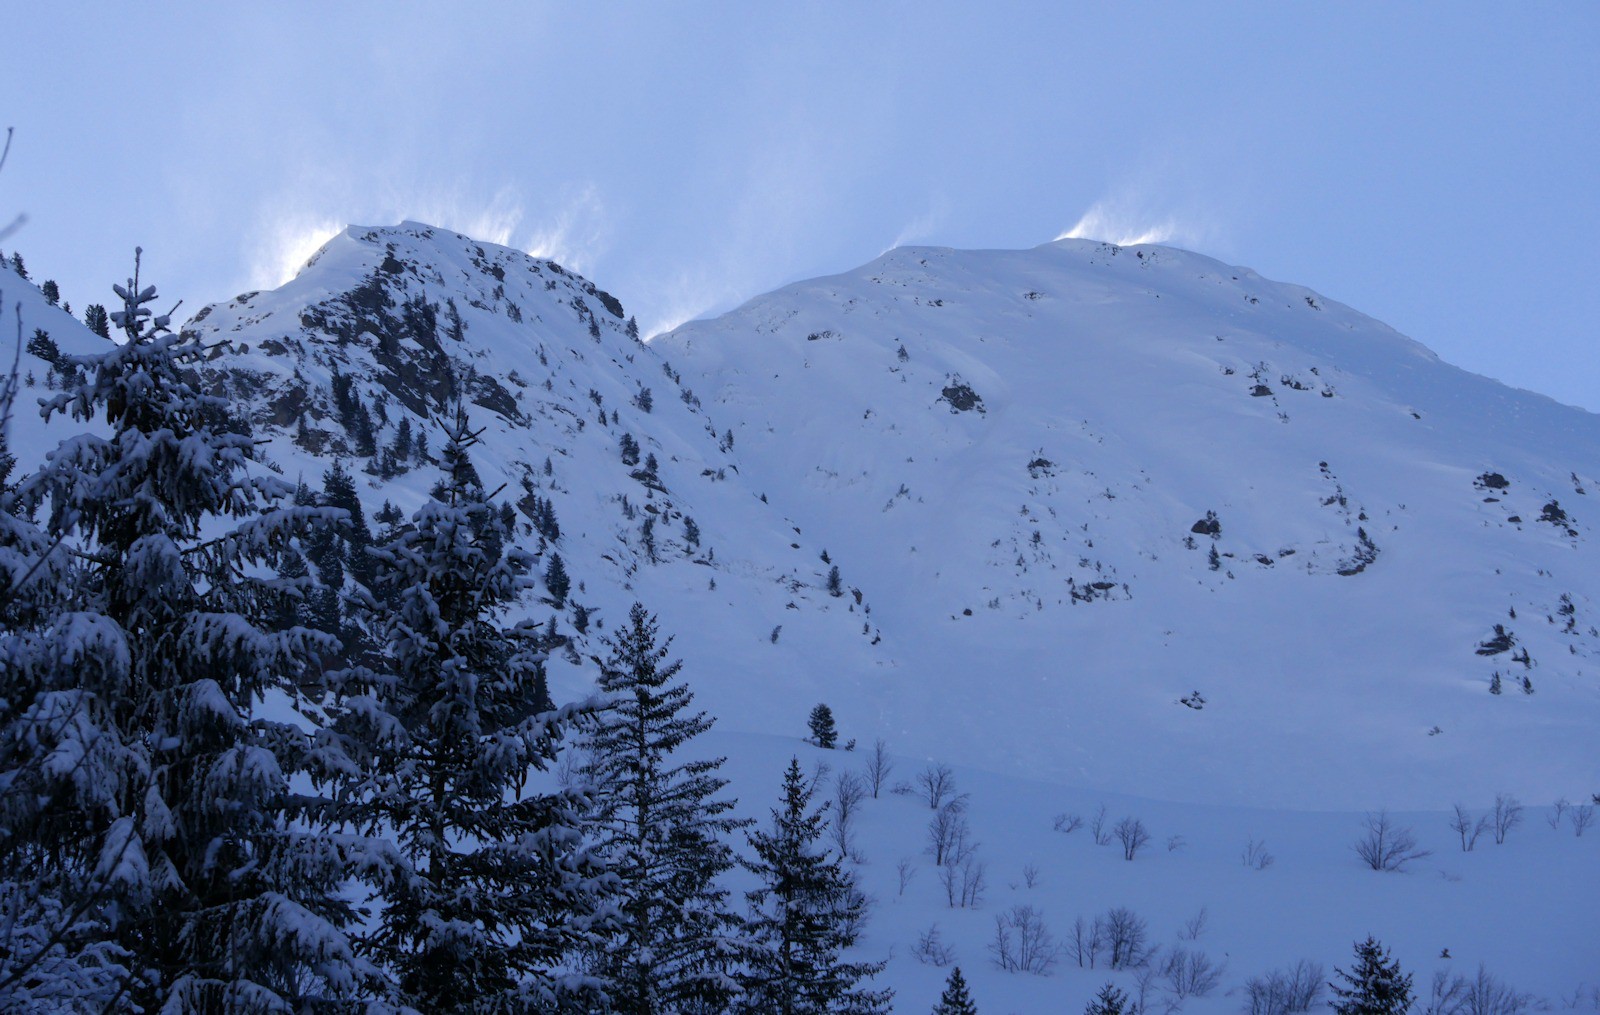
x=1483 y=994
x=1386 y=846
x=1194 y=926
x=848 y=791
x=930 y=949
x=1507 y=815
x=1022 y=943
x=1284 y=992
x=948 y=834
x=1126 y=939
x=1068 y=823
x=1097 y=827
x=1582 y=817
x=1190 y=974
x=938 y=785
x=1469 y=830
x=1557 y=811
x=1133 y=836
x=878 y=767
x=964 y=880
x=906 y=871
x=1086 y=942
x=1255 y=855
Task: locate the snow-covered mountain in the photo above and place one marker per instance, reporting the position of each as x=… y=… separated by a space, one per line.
x=1120 y=527
x=1126 y=518
x=1027 y=458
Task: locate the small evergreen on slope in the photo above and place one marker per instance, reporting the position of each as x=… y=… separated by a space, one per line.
x=1374 y=985
x=806 y=911
x=660 y=827
x=1110 y=1001
x=956 y=999
x=823 y=731
x=490 y=885
x=169 y=833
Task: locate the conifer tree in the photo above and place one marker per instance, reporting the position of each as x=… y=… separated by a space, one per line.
x=556 y=581
x=339 y=490
x=97 y=321
x=51 y=291
x=55 y=948
x=823 y=731
x=660 y=827
x=1110 y=1001
x=956 y=1000
x=204 y=894
x=805 y=912
x=1374 y=985
x=491 y=885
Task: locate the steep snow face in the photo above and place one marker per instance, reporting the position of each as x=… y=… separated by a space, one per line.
x=1135 y=519
x=386 y=329
x=41 y=364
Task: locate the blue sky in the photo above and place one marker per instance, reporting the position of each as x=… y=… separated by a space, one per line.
x=1433 y=165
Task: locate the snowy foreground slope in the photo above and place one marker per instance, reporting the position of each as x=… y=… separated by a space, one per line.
x=1061 y=421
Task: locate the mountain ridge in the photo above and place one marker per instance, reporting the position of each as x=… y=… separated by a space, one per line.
x=1047 y=456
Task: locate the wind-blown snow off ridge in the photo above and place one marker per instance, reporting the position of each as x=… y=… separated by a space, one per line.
x=1119 y=525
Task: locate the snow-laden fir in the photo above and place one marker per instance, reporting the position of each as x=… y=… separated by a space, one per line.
x=1094 y=526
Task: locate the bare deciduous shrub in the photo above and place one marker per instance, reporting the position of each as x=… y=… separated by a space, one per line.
x=1557 y=811
x=948 y=833
x=1097 y=827
x=848 y=791
x=1194 y=926
x=1285 y=991
x=1190 y=974
x=1133 y=836
x=1175 y=843
x=1126 y=939
x=1255 y=855
x=1086 y=942
x=930 y=949
x=1469 y=830
x=906 y=871
x=1030 y=875
x=1022 y=943
x=1068 y=823
x=878 y=767
x=1507 y=815
x=1386 y=846
x=938 y=784
x=1582 y=817
x=964 y=880
x=1481 y=995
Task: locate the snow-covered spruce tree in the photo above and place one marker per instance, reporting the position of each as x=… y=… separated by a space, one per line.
x=490 y=885
x=805 y=912
x=54 y=949
x=172 y=807
x=660 y=826
x=956 y=999
x=1374 y=985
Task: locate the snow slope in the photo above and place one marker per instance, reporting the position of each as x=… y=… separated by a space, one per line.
x=1062 y=418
